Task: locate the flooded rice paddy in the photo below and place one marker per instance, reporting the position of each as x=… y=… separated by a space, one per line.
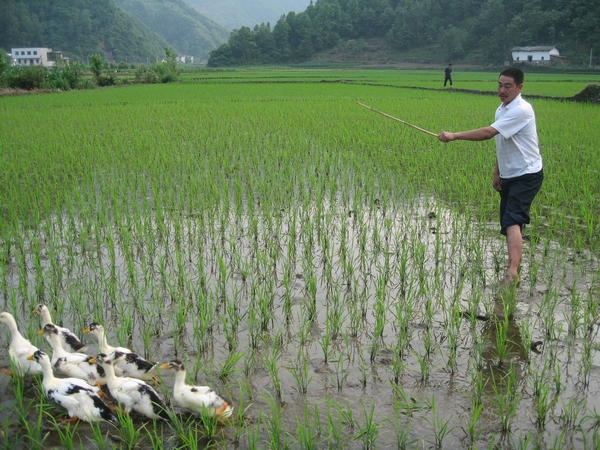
x=369 y=323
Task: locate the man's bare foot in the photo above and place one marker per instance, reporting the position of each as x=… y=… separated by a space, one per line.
x=510 y=279
x=507 y=285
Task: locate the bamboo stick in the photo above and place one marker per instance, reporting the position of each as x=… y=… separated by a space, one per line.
x=398 y=120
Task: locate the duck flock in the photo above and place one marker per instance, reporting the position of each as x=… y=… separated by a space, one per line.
x=74 y=379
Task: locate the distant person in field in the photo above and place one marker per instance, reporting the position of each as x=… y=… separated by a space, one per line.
x=518 y=173
x=448 y=75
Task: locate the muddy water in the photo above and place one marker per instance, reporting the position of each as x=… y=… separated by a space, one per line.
x=361 y=303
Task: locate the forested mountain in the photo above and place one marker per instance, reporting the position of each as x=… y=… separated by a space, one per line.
x=186 y=30
x=237 y=13
x=78 y=28
x=456 y=28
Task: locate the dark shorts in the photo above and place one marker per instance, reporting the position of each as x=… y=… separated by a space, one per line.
x=516 y=197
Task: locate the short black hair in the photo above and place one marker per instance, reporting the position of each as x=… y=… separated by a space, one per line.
x=515 y=74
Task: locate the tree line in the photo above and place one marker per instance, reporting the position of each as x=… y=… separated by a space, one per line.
x=73 y=75
x=457 y=27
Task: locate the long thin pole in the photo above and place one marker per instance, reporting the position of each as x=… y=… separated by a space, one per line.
x=398 y=120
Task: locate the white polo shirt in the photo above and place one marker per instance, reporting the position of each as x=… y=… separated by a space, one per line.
x=517 y=146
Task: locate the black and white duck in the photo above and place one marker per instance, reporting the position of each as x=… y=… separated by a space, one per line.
x=133 y=365
x=131 y=393
x=80 y=399
x=70 y=341
x=76 y=365
x=97 y=330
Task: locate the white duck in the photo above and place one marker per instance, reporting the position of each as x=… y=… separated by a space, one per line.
x=79 y=398
x=133 y=365
x=98 y=331
x=19 y=350
x=76 y=365
x=131 y=393
x=70 y=342
x=200 y=399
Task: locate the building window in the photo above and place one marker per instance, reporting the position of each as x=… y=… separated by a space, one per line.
x=35 y=52
x=29 y=52
x=517 y=58
x=542 y=58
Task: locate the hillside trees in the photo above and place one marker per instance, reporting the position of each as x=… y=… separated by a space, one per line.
x=455 y=27
x=78 y=27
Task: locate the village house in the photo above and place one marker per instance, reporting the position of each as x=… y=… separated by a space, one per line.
x=34 y=56
x=184 y=59
x=536 y=55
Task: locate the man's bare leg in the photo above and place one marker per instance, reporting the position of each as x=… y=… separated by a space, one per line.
x=514 y=242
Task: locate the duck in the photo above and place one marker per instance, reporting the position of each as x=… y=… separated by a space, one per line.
x=76 y=365
x=200 y=399
x=80 y=399
x=70 y=342
x=134 y=366
x=19 y=350
x=98 y=331
x=131 y=393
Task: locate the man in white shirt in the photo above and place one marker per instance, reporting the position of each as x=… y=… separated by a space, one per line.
x=518 y=173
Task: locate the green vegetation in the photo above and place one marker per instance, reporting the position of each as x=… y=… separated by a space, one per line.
x=456 y=29
x=183 y=27
x=309 y=259
x=133 y=32
x=72 y=75
x=78 y=28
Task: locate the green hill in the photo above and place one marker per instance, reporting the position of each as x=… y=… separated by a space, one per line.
x=79 y=28
x=449 y=30
x=237 y=13
x=183 y=27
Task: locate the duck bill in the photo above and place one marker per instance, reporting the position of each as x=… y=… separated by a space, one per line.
x=164 y=366
x=40 y=332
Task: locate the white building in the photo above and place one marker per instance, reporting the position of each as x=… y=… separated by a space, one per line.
x=184 y=59
x=31 y=56
x=536 y=55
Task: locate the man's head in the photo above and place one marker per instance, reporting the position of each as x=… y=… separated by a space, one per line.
x=510 y=84
x=449 y=65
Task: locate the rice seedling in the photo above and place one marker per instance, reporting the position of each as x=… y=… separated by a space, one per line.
x=229 y=366
x=570 y=413
x=272 y=362
x=470 y=424
x=502 y=341
x=276 y=433
x=524 y=327
x=367 y=434
x=130 y=433
x=67 y=435
x=300 y=372
x=440 y=427
x=100 y=438
x=544 y=403
x=307 y=434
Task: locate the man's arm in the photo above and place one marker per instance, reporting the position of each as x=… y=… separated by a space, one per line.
x=480 y=134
